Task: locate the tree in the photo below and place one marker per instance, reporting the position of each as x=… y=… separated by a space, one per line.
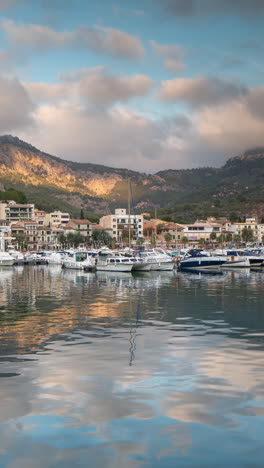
x=77 y=239
x=185 y=240
x=140 y=241
x=102 y=237
x=20 y=239
x=228 y=237
x=62 y=240
x=247 y=235
x=221 y=239
x=153 y=238
x=168 y=237
x=237 y=238
x=70 y=238
x=81 y=214
x=213 y=235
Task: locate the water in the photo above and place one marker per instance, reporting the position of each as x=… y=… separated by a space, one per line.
x=154 y=370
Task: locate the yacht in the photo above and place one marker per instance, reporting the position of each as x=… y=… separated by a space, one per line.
x=157 y=260
x=196 y=259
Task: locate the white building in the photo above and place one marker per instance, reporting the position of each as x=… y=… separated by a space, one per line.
x=15 y=212
x=201 y=230
x=253 y=225
x=57 y=218
x=119 y=222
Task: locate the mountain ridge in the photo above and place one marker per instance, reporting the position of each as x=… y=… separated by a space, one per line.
x=52 y=182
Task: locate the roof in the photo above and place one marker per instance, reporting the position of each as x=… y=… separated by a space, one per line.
x=172 y=226
x=98 y=226
x=81 y=221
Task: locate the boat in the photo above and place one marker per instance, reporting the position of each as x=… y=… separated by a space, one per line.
x=157 y=260
x=234 y=260
x=79 y=261
x=112 y=263
x=196 y=259
x=6 y=259
x=16 y=255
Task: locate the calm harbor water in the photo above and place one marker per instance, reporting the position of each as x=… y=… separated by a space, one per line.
x=154 y=370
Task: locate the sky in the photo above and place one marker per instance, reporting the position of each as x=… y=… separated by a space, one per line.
x=146 y=85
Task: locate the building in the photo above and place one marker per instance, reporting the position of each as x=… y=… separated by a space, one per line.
x=174 y=230
x=15 y=212
x=252 y=224
x=56 y=219
x=80 y=226
x=121 y=223
x=201 y=230
x=34 y=237
x=40 y=216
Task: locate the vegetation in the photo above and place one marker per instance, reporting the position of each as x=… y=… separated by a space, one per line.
x=101 y=237
x=233 y=191
x=13 y=194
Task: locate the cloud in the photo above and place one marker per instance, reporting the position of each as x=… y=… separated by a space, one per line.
x=199 y=92
x=108 y=41
x=102 y=88
x=16 y=107
x=188 y=8
x=255 y=102
x=95 y=86
x=234 y=126
x=173 y=55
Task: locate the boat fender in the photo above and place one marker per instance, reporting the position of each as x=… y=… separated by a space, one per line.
x=232 y=258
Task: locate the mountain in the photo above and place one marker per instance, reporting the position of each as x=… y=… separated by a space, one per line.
x=50 y=182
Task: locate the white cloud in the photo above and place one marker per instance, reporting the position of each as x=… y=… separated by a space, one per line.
x=16 y=107
x=172 y=54
x=199 y=92
x=94 y=86
x=108 y=41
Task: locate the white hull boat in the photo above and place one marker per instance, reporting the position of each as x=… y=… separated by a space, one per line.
x=6 y=259
x=79 y=261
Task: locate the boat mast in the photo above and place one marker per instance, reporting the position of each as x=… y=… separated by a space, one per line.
x=129 y=213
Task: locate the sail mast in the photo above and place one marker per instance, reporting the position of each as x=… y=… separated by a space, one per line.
x=129 y=212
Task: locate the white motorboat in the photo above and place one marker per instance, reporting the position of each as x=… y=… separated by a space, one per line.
x=114 y=263
x=79 y=261
x=55 y=258
x=157 y=259
x=234 y=260
x=16 y=255
x=6 y=259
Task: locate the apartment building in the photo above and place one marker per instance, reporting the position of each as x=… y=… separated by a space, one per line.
x=174 y=230
x=252 y=224
x=120 y=223
x=14 y=212
x=57 y=218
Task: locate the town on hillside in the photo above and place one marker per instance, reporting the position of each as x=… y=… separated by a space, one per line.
x=28 y=228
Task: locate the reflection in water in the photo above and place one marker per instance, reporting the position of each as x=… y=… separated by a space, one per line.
x=159 y=369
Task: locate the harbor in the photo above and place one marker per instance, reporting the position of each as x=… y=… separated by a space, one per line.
x=151 y=368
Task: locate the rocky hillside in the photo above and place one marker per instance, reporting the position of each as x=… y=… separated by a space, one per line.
x=52 y=182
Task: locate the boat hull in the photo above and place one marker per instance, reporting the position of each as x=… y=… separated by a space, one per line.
x=122 y=267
